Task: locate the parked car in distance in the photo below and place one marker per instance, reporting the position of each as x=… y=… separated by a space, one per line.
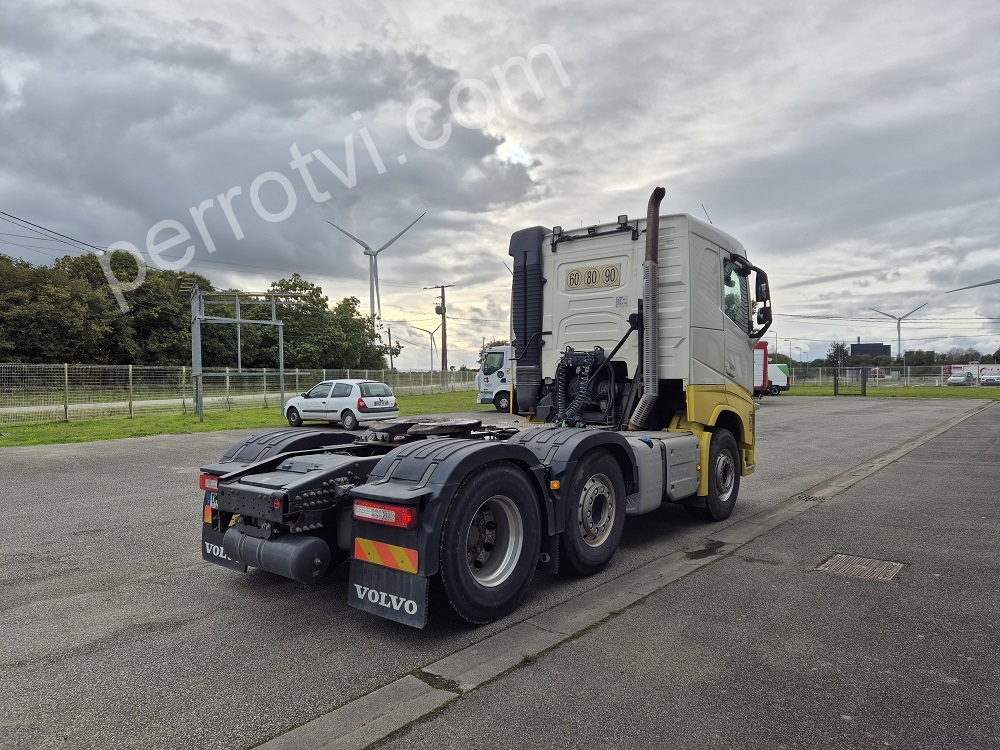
x=960 y=378
x=347 y=402
x=990 y=378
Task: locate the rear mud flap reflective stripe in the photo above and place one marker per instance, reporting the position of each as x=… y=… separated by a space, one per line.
x=389 y=555
x=388 y=593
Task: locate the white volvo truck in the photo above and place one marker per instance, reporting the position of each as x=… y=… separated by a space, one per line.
x=633 y=347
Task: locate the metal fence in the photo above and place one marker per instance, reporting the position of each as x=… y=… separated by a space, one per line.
x=62 y=393
x=882 y=377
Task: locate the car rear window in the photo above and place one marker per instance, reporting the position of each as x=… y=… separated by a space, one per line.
x=375 y=389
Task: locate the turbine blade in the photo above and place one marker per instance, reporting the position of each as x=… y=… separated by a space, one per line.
x=885 y=314
x=913 y=311
x=359 y=241
x=401 y=233
x=962 y=289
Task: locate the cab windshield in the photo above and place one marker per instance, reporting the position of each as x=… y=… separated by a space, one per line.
x=492 y=363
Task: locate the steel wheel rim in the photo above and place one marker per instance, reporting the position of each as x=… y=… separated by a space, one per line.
x=494 y=541
x=596 y=510
x=725 y=476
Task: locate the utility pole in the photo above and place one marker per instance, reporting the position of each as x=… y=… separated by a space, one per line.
x=442 y=311
x=389 y=329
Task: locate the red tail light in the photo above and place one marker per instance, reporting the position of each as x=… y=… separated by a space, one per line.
x=209 y=482
x=400 y=516
x=361 y=404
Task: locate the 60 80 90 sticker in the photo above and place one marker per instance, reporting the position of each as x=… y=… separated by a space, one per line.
x=594 y=277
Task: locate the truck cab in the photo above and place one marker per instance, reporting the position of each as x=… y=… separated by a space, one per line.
x=495 y=378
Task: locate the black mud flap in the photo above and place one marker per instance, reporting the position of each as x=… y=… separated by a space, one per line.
x=211 y=542
x=388 y=593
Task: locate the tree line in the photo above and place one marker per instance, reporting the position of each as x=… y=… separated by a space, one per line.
x=67 y=312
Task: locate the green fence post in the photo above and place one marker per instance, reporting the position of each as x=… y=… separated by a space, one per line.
x=66 y=391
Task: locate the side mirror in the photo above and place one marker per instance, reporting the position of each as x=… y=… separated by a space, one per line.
x=764 y=316
x=304 y=395
x=761 y=288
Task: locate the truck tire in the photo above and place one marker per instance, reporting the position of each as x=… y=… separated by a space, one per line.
x=595 y=514
x=774 y=390
x=502 y=402
x=723 y=476
x=348 y=419
x=490 y=542
x=294 y=418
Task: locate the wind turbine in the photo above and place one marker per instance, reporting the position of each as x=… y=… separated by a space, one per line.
x=374 y=297
x=899 y=337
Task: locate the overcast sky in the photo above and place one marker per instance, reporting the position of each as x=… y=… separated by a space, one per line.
x=854 y=148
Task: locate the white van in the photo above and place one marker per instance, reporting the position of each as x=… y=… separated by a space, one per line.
x=778 y=376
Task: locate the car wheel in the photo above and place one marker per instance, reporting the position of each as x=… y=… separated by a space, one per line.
x=595 y=514
x=774 y=390
x=502 y=402
x=348 y=419
x=490 y=542
x=294 y=418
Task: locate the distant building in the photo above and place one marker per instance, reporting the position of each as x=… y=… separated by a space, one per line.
x=872 y=350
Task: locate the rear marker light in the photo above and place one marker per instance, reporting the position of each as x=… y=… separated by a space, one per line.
x=209 y=482
x=400 y=516
x=361 y=403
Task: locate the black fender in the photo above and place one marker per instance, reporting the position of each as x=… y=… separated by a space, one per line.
x=268 y=444
x=248 y=451
x=559 y=449
x=427 y=474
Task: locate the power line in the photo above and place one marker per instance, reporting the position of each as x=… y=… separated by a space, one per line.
x=66 y=239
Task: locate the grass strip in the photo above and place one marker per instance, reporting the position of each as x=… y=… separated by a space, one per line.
x=85 y=431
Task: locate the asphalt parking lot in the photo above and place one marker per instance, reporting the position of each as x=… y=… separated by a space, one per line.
x=117 y=635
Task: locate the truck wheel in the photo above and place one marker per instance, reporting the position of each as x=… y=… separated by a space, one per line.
x=595 y=513
x=490 y=543
x=348 y=419
x=723 y=476
x=774 y=390
x=294 y=418
x=502 y=402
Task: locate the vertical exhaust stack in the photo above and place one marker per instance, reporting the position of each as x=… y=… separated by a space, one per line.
x=650 y=323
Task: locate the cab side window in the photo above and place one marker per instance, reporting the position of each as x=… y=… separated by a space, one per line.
x=736 y=293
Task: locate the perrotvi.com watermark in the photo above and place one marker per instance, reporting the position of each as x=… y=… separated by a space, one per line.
x=169 y=233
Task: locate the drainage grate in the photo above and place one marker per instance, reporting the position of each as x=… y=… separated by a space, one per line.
x=861 y=567
x=810 y=498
